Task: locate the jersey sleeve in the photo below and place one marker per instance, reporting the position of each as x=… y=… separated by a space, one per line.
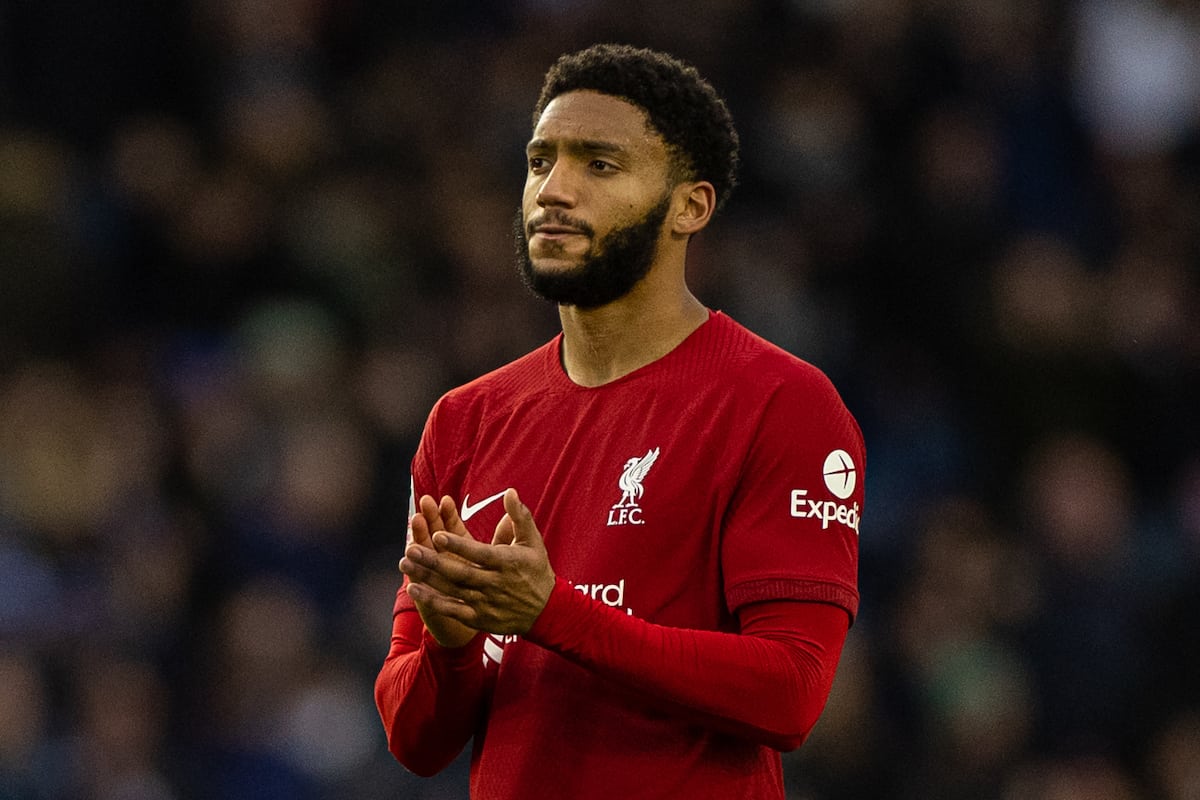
x=792 y=526
x=429 y=698
x=766 y=683
x=421 y=482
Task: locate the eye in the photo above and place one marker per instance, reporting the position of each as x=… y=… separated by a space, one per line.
x=538 y=164
x=599 y=165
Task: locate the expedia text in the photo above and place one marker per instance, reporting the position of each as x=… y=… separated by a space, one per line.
x=827 y=511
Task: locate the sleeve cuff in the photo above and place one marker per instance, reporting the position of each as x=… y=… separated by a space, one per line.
x=454 y=658
x=768 y=589
x=564 y=611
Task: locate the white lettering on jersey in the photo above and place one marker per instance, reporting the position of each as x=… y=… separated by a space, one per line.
x=841 y=477
x=611 y=594
x=828 y=511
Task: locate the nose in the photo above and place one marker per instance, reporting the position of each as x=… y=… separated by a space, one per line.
x=557 y=187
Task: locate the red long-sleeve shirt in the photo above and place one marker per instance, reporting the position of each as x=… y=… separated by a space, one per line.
x=702 y=514
x=766 y=685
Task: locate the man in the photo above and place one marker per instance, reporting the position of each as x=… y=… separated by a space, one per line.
x=642 y=568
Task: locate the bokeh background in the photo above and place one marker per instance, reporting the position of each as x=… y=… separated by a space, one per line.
x=245 y=245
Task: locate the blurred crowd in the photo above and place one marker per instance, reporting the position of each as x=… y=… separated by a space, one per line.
x=246 y=244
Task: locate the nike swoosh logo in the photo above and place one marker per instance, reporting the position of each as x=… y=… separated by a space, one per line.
x=469 y=510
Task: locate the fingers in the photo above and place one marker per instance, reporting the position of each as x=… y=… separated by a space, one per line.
x=444 y=571
x=468 y=549
x=439 y=527
x=449 y=513
x=421 y=534
x=432 y=517
x=461 y=585
x=425 y=522
x=431 y=511
x=437 y=604
x=424 y=584
x=429 y=520
x=457 y=566
x=500 y=587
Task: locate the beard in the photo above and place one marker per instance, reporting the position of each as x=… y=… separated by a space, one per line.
x=609 y=270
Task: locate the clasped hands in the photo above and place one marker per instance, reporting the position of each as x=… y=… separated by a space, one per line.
x=461 y=586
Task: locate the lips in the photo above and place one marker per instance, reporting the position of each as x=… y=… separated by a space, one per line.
x=556 y=230
x=554 y=224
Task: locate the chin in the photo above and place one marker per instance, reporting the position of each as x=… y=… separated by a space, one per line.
x=553 y=265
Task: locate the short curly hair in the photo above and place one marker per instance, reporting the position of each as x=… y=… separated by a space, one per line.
x=680 y=105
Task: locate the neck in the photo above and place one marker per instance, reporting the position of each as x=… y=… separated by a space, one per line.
x=603 y=344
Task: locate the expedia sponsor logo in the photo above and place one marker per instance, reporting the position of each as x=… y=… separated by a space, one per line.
x=804 y=507
x=841 y=478
x=840 y=475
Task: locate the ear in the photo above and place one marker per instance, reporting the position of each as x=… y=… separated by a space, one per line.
x=694 y=204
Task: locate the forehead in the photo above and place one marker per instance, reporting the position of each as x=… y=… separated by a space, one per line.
x=586 y=116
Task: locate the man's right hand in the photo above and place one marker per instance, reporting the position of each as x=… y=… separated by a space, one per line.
x=430 y=518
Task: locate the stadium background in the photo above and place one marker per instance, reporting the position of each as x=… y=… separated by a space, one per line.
x=244 y=245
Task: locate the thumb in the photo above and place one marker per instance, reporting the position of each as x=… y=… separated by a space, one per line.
x=524 y=529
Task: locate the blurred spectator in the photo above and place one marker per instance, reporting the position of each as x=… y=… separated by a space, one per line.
x=122 y=708
x=1174 y=757
x=25 y=750
x=1138 y=73
x=1072 y=779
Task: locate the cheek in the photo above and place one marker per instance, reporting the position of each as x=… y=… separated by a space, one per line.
x=533 y=184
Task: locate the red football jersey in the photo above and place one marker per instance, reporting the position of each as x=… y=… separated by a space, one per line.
x=727 y=473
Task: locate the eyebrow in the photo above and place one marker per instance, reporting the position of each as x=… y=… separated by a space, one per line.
x=586 y=146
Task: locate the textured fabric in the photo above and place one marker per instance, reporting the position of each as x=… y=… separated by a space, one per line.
x=692 y=494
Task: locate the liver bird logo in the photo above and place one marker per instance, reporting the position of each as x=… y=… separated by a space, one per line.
x=631 y=479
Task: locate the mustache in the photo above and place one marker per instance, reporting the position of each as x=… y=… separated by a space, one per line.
x=557 y=217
